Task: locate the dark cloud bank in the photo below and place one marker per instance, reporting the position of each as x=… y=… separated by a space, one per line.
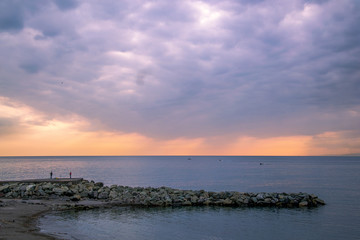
x=186 y=68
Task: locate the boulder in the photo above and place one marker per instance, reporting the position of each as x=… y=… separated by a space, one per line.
x=99 y=184
x=227 y=202
x=194 y=199
x=47 y=186
x=103 y=195
x=84 y=193
x=76 y=197
x=162 y=196
x=5 y=188
x=113 y=194
x=58 y=191
x=30 y=187
x=93 y=194
x=260 y=197
x=320 y=201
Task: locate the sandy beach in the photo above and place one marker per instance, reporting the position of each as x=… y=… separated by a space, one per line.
x=18 y=219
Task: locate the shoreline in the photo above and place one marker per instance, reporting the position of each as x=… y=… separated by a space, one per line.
x=18 y=220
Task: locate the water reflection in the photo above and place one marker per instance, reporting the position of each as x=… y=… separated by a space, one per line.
x=185 y=223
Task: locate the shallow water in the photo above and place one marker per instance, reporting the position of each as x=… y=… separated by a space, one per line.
x=334 y=179
x=190 y=223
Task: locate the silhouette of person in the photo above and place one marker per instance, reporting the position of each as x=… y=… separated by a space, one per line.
x=51 y=173
x=70 y=174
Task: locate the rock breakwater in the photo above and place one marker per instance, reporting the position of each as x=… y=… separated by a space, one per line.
x=148 y=196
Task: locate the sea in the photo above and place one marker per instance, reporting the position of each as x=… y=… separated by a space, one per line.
x=335 y=179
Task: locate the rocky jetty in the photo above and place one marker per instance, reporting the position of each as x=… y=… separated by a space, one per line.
x=147 y=197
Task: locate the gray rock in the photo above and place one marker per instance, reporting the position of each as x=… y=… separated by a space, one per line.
x=41 y=193
x=93 y=194
x=194 y=199
x=99 y=184
x=320 y=201
x=162 y=196
x=5 y=188
x=76 y=197
x=260 y=197
x=267 y=200
x=207 y=202
x=47 y=186
x=30 y=187
x=84 y=193
x=113 y=194
x=58 y=191
x=103 y=195
x=226 y=202
x=186 y=203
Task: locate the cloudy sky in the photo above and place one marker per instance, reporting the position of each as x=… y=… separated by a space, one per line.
x=232 y=77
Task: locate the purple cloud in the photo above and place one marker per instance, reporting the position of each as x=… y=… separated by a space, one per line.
x=187 y=68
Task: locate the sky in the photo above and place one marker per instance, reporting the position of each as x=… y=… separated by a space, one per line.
x=179 y=77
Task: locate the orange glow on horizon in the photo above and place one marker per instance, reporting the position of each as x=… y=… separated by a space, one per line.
x=33 y=134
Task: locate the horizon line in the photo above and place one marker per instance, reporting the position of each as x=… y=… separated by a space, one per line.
x=184 y=155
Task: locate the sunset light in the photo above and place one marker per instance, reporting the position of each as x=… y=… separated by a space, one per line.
x=181 y=78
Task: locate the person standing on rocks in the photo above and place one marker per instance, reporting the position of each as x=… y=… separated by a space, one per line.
x=70 y=174
x=51 y=174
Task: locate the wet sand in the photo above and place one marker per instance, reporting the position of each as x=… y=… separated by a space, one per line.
x=18 y=220
x=18 y=217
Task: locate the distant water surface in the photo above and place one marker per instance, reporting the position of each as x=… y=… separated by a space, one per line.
x=334 y=179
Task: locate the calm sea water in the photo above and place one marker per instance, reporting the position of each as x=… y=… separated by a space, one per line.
x=334 y=179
